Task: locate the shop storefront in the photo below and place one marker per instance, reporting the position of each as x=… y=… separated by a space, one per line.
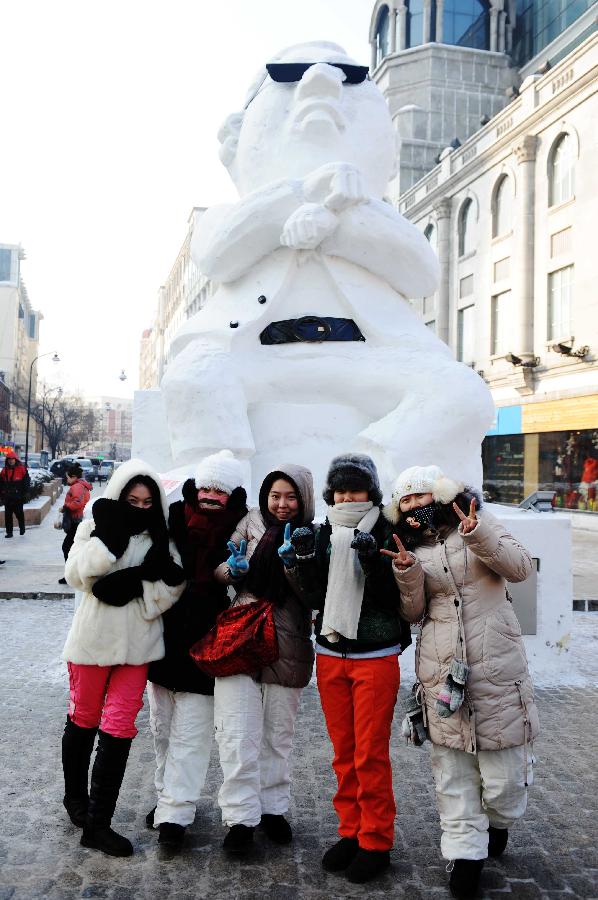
x=545 y=446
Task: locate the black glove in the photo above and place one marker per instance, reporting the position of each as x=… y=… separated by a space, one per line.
x=109 y=526
x=304 y=542
x=367 y=548
x=118 y=588
x=155 y=563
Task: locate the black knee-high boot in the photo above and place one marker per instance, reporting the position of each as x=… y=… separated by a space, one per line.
x=77 y=747
x=106 y=778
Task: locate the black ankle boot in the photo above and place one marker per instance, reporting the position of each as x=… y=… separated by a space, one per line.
x=238 y=840
x=106 y=778
x=465 y=878
x=77 y=747
x=171 y=836
x=277 y=828
x=367 y=864
x=340 y=855
x=497 y=841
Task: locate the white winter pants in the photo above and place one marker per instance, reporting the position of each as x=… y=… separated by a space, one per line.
x=254 y=730
x=182 y=724
x=474 y=790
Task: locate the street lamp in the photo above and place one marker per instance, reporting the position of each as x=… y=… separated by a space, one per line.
x=122 y=376
x=55 y=358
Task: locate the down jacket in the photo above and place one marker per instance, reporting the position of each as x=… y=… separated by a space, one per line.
x=456 y=573
x=104 y=635
x=292 y=618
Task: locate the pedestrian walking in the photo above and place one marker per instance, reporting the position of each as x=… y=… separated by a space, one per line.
x=14 y=485
x=450 y=563
x=122 y=562
x=77 y=498
x=181 y=696
x=359 y=636
x=254 y=715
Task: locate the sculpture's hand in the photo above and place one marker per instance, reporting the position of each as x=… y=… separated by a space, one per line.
x=336 y=185
x=307 y=227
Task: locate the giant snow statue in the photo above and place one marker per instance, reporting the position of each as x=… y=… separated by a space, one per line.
x=310 y=347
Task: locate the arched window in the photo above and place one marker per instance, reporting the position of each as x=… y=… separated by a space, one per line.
x=466 y=228
x=431 y=235
x=561 y=170
x=415 y=23
x=466 y=24
x=502 y=208
x=382 y=33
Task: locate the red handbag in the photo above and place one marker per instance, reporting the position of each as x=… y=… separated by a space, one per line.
x=242 y=641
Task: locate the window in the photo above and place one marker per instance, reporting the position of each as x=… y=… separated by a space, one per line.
x=5 y=261
x=502 y=269
x=431 y=235
x=466 y=223
x=415 y=23
x=540 y=21
x=429 y=305
x=561 y=171
x=502 y=210
x=560 y=288
x=561 y=242
x=465 y=334
x=465 y=24
x=382 y=34
x=466 y=286
x=501 y=315
x=31 y=330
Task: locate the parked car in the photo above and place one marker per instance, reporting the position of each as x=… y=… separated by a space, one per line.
x=59 y=467
x=105 y=469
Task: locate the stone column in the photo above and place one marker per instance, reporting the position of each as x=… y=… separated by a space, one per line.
x=373 y=55
x=524 y=234
x=493 y=28
x=443 y=224
x=392 y=29
x=427 y=20
x=502 y=32
x=402 y=25
x=439 y=21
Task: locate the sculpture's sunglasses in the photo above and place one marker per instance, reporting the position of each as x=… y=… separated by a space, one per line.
x=287 y=73
x=295 y=71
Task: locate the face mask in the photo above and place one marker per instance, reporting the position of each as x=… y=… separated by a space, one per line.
x=211 y=500
x=421 y=516
x=136 y=519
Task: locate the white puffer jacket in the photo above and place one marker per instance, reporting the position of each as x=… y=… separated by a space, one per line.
x=104 y=635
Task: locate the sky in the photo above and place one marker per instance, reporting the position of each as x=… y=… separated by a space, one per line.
x=108 y=139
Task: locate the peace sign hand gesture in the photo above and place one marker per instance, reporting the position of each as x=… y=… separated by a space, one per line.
x=468 y=523
x=402 y=559
x=237 y=562
x=286 y=551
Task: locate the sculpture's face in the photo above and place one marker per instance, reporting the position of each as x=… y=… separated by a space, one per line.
x=290 y=129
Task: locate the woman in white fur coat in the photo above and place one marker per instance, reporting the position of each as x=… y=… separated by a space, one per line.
x=129 y=574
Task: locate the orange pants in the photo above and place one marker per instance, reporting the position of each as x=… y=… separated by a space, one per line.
x=358 y=698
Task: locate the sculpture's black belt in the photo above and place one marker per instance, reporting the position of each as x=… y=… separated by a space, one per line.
x=311 y=330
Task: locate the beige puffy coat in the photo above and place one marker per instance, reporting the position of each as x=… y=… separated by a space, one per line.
x=470 y=570
x=292 y=619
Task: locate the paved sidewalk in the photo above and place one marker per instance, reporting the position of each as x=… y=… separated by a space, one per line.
x=552 y=853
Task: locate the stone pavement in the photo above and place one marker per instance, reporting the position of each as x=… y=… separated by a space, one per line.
x=552 y=853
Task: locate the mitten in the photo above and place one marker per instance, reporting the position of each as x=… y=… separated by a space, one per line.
x=109 y=527
x=155 y=564
x=304 y=543
x=367 y=548
x=412 y=726
x=118 y=588
x=286 y=551
x=237 y=563
x=452 y=692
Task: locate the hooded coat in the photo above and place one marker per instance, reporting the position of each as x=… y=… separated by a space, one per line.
x=292 y=618
x=14 y=481
x=466 y=573
x=104 y=635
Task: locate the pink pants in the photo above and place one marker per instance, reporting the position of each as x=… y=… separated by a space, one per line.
x=107 y=696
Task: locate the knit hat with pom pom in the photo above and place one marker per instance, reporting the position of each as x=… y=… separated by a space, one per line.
x=221 y=471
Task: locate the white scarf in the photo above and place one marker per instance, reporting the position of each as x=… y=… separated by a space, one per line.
x=346 y=581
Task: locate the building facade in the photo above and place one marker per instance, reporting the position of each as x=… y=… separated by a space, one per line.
x=509 y=209
x=184 y=293
x=19 y=343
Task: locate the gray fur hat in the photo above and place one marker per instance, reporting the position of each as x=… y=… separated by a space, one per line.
x=352 y=471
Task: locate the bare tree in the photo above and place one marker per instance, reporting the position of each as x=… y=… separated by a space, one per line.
x=66 y=420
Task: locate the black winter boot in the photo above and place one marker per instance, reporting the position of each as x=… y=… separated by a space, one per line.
x=497 y=841
x=149 y=819
x=340 y=855
x=367 y=864
x=171 y=836
x=277 y=828
x=465 y=878
x=238 y=840
x=106 y=778
x=77 y=747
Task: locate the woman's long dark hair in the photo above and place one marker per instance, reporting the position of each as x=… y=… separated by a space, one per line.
x=158 y=528
x=445 y=519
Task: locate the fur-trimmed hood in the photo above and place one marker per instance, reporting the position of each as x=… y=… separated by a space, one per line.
x=131 y=469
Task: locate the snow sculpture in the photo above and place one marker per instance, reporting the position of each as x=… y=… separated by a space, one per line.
x=312 y=236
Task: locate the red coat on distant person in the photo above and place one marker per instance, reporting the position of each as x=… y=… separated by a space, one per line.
x=77 y=498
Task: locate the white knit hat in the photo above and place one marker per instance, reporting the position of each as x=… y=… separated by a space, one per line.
x=422 y=480
x=221 y=471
